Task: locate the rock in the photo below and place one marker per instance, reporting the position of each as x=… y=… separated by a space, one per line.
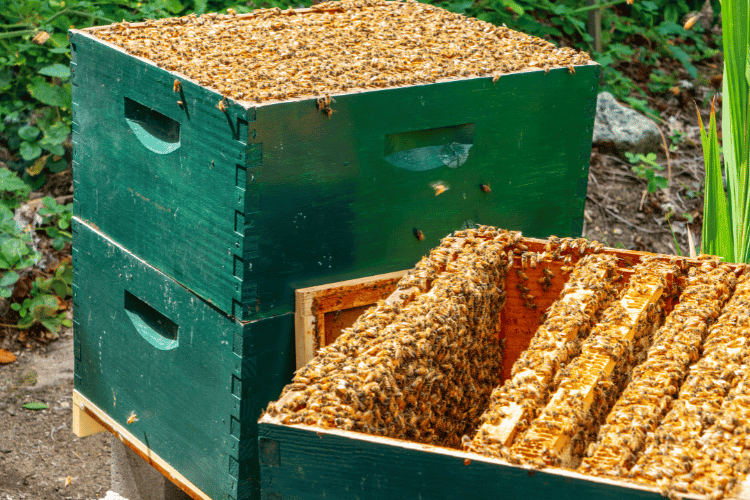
x=623 y=128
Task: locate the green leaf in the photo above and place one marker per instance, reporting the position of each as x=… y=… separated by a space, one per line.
x=13 y=249
x=4 y=293
x=9 y=278
x=200 y=6
x=30 y=151
x=685 y=59
x=173 y=6
x=56 y=70
x=43 y=306
x=717 y=228
x=35 y=405
x=52 y=95
x=54 y=149
x=5 y=78
x=28 y=133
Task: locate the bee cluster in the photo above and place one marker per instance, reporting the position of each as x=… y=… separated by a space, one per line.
x=654 y=383
x=616 y=381
x=521 y=399
x=420 y=365
x=701 y=445
x=334 y=47
x=588 y=386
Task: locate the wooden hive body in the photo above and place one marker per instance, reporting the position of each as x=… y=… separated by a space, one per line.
x=304 y=461
x=193 y=379
x=247 y=205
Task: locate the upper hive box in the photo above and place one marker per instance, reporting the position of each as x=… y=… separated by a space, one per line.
x=250 y=155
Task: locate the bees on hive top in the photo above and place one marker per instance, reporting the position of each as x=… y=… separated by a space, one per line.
x=272 y=55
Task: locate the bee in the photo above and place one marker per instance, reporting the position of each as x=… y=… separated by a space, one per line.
x=222 y=105
x=324 y=105
x=179 y=103
x=132 y=418
x=571 y=69
x=485 y=188
x=440 y=187
x=419 y=235
x=176 y=86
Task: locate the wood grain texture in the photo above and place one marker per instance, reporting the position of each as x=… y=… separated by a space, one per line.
x=196 y=404
x=260 y=201
x=84 y=424
x=321 y=312
x=90 y=411
x=310 y=463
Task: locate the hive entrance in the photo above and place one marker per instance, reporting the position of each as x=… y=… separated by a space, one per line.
x=639 y=369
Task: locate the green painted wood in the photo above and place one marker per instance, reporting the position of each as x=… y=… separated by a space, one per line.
x=176 y=210
x=196 y=379
x=264 y=200
x=303 y=464
x=332 y=207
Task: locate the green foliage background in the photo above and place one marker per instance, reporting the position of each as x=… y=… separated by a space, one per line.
x=35 y=92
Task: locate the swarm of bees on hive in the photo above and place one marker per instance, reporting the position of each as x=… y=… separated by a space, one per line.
x=332 y=48
x=638 y=370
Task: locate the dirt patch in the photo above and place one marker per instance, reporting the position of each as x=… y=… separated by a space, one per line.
x=38 y=450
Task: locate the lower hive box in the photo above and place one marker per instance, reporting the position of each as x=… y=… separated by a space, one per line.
x=502 y=365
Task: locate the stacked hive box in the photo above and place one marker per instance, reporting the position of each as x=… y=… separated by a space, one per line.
x=637 y=373
x=223 y=161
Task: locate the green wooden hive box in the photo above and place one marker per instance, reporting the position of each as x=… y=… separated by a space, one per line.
x=169 y=372
x=246 y=204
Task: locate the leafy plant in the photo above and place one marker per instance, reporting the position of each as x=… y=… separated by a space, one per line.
x=56 y=220
x=645 y=166
x=726 y=215
x=45 y=303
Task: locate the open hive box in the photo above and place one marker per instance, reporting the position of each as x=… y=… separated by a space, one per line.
x=513 y=366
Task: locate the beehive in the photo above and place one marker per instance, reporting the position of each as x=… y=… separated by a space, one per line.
x=634 y=383
x=246 y=156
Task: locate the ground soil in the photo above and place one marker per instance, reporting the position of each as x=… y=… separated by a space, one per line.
x=38 y=451
x=40 y=457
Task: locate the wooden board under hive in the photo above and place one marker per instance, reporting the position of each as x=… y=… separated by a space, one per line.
x=590 y=412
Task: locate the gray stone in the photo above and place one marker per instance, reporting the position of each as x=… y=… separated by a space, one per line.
x=133 y=478
x=623 y=128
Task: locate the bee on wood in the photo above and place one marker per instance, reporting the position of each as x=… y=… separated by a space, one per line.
x=440 y=187
x=324 y=105
x=222 y=105
x=485 y=188
x=419 y=235
x=176 y=86
x=132 y=418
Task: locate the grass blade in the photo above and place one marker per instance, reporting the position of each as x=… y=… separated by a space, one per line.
x=717 y=237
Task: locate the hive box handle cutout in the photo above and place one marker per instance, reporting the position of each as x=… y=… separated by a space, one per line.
x=429 y=149
x=154 y=327
x=159 y=133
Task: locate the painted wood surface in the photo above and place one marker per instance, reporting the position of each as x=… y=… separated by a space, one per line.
x=88 y=410
x=304 y=462
x=193 y=399
x=260 y=201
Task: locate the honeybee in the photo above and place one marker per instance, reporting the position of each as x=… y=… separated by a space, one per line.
x=485 y=188
x=176 y=86
x=222 y=105
x=132 y=418
x=419 y=235
x=440 y=187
